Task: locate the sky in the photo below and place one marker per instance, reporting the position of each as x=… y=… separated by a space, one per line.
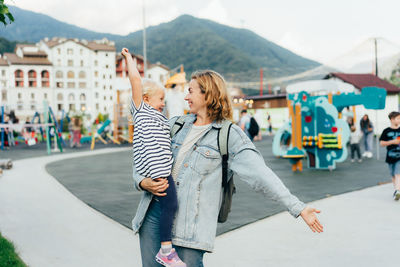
x=317 y=29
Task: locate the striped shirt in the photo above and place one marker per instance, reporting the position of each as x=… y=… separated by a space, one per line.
x=152 y=154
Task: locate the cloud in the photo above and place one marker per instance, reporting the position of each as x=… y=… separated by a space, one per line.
x=214 y=11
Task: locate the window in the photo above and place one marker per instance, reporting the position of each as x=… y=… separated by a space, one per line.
x=96 y=84
x=20 y=106
x=83 y=107
x=82 y=85
x=104 y=76
x=96 y=73
x=106 y=54
x=70 y=85
x=96 y=63
x=82 y=74
x=19 y=78
x=105 y=98
x=58 y=62
x=32 y=78
x=70 y=51
x=4 y=95
x=60 y=97
x=110 y=87
x=81 y=63
x=97 y=95
x=59 y=84
x=82 y=97
x=104 y=87
x=59 y=74
x=3 y=73
x=97 y=106
x=149 y=76
x=110 y=97
x=81 y=51
x=19 y=95
x=105 y=109
x=33 y=96
x=70 y=63
x=107 y=66
x=45 y=78
x=59 y=51
x=60 y=107
x=45 y=96
x=110 y=76
x=70 y=74
x=71 y=97
x=33 y=107
x=72 y=107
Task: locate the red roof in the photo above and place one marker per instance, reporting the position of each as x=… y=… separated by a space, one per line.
x=364 y=80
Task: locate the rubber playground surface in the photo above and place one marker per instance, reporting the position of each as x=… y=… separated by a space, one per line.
x=105 y=183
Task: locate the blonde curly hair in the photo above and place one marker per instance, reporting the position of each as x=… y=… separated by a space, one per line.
x=218 y=101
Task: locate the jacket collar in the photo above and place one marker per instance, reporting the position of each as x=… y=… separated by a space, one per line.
x=191 y=118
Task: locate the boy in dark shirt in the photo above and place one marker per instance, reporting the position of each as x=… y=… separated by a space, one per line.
x=390 y=138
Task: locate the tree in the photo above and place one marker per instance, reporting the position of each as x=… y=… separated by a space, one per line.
x=5 y=13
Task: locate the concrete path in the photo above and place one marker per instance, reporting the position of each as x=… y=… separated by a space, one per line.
x=51 y=227
x=362 y=228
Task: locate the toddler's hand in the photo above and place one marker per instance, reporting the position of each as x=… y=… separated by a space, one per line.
x=125 y=52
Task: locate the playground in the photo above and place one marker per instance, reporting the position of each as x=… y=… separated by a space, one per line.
x=80 y=204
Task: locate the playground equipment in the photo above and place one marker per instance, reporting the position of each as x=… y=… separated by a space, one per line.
x=316 y=130
x=123 y=130
x=101 y=134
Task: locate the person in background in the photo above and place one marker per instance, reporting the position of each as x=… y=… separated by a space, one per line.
x=367 y=130
x=390 y=138
x=355 y=138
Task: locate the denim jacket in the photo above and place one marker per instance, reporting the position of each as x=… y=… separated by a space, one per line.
x=199 y=188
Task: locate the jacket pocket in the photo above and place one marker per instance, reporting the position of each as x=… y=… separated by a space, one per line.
x=207 y=159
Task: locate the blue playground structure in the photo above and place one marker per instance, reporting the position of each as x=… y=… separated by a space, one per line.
x=316 y=131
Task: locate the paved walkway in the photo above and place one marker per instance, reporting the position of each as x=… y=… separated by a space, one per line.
x=51 y=227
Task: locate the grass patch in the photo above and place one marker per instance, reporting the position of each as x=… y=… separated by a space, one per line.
x=8 y=256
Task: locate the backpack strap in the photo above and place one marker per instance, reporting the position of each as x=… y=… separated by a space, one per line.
x=178 y=125
x=223 y=139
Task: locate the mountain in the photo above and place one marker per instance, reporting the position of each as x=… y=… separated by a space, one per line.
x=201 y=43
x=197 y=43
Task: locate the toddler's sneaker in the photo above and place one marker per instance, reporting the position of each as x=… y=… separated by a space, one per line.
x=352 y=160
x=396 y=195
x=360 y=160
x=170 y=260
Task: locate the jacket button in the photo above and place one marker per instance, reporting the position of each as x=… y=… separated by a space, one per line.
x=207 y=153
x=186 y=165
x=194 y=148
x=177 y=183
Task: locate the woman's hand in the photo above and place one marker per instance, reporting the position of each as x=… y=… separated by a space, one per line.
x=309 y=216
x=155 y=186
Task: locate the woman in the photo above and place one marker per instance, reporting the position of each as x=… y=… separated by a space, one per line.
x=367 y=130
x=197 y=173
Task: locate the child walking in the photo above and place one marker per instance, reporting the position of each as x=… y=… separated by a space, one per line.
x=152 y=153
x=355 y=138
x=390 y=138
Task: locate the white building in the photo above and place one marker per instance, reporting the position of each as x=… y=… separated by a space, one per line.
x=71 y=74
x=158 y=72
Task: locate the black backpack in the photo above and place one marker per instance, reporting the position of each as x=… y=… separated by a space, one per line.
x=227 y=183
x=253 y=128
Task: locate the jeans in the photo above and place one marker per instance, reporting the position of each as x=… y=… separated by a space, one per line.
x=169 y=204
x=355 y=148
x=368 y=141
x=149 y=235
